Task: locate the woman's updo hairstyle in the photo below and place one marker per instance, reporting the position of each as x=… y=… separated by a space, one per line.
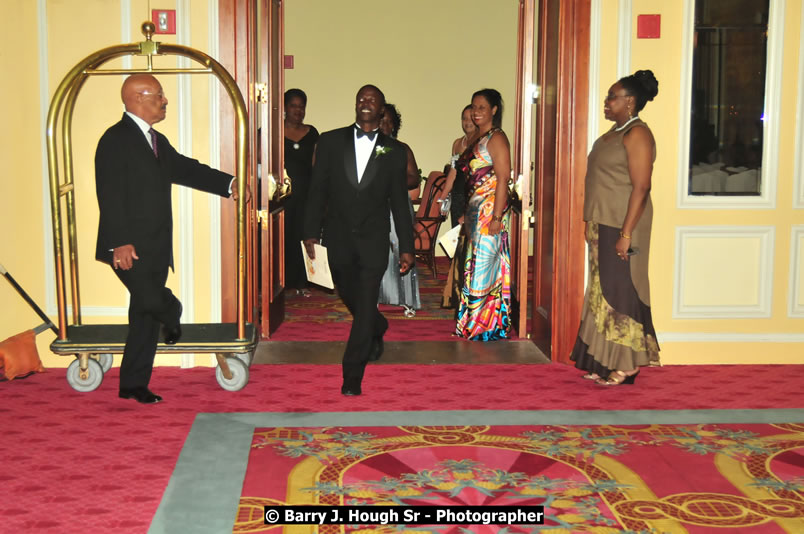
x=494 y=98
x=290 y=94
x=642 y=85
x=395 y=116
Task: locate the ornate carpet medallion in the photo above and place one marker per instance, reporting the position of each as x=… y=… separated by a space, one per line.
x=654 y=478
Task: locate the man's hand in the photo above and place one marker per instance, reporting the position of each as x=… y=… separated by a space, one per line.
x=309 y=246
x=406 y=262
x=234 y=191
x=123 y=257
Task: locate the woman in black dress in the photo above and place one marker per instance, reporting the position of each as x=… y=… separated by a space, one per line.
x=453 y=199
x=300 y=140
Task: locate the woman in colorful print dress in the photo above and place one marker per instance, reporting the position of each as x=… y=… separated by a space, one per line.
x=616 y=336
x=485 y=301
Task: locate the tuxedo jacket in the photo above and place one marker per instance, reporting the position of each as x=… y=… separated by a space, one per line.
x=354 y=215
x=134 y=192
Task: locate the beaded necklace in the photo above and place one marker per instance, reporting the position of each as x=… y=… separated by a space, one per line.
x=629 y=121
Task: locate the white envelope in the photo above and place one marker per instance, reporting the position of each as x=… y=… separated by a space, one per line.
x=449 y=241
x=318 y=269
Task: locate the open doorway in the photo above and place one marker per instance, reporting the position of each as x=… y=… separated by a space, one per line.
x=430 y=138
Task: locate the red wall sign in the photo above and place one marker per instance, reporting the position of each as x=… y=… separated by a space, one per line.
x=164 y=20
x=649 y=26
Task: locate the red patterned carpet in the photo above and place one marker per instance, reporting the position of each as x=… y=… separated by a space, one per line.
x=93 y=463
x=649 y=478
x=306 y=316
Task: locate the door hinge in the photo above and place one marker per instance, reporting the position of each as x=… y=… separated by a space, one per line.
x=533 y=92
x=262 y=218
x=261 y=93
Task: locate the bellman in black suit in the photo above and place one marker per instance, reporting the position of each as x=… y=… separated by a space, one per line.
x=135 y=167
x=359 y=174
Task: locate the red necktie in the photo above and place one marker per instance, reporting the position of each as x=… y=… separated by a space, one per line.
x=153 y=142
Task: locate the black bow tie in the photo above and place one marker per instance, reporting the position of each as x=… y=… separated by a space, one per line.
x=360 y=133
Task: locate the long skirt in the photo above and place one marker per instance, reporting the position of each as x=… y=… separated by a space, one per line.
x=616 y=331
x=484 y=311
x=397 y=289
x=451 y=294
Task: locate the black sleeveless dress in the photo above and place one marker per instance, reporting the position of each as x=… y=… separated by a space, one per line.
x=299 y=166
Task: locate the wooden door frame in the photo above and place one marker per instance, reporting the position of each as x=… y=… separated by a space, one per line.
x=237 y=40
x=240 y=36
x=273 y=238
x=522 y=161
x=572 y=110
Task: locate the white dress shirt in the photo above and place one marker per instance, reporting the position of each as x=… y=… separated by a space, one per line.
x=144 y=126
x=363 y=150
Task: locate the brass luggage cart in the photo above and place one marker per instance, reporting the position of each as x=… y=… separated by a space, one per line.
x=93 y=345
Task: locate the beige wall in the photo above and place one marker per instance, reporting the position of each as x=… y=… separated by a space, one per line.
x=427 y=57
x=24 y=204
x=722 y=277
x=21 y=249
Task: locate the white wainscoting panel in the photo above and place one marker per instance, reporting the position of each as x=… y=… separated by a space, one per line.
x=795 y=296
x=727 y=337
x=723 y=272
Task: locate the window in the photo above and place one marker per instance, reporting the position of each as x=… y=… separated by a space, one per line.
x=728 y=97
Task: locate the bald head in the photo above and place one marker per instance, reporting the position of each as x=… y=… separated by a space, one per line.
x=142 y=95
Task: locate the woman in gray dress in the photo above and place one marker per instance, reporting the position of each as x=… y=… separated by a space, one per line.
x=397 y=289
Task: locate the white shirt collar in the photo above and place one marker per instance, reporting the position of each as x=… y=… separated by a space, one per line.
x=144 y=126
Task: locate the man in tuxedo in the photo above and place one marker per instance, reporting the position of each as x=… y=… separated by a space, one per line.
x=135 y=167
x=358 y=173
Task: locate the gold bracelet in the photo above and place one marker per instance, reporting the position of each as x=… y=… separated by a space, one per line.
x=623 y=235
x=497 y=218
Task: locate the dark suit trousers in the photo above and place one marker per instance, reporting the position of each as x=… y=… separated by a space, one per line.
x=359 y=288
x=151 y=305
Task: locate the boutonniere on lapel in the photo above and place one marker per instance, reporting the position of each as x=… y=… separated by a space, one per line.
x=379 y=150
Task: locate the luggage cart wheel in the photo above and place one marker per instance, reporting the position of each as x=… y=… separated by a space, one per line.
x=245 y=357
x=91 y=378
x=237 y=370
x=105 y=360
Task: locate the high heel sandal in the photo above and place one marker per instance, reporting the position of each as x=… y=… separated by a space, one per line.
x=591 y=376
x=617 y=378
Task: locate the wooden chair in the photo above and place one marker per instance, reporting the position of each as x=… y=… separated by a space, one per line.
x=428 y=220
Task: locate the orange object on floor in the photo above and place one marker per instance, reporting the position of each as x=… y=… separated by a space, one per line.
x=19 y=356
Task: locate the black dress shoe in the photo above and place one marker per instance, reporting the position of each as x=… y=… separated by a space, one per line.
x=172 y=335
x=350 y=391
x=377 y=348
x=141 y=394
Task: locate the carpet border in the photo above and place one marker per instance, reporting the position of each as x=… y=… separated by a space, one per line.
x=217 y=448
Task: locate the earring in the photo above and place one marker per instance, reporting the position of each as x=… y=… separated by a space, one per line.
x=630 y=115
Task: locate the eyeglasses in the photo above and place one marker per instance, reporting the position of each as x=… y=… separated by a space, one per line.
x=159 y=95
x=611 y=96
